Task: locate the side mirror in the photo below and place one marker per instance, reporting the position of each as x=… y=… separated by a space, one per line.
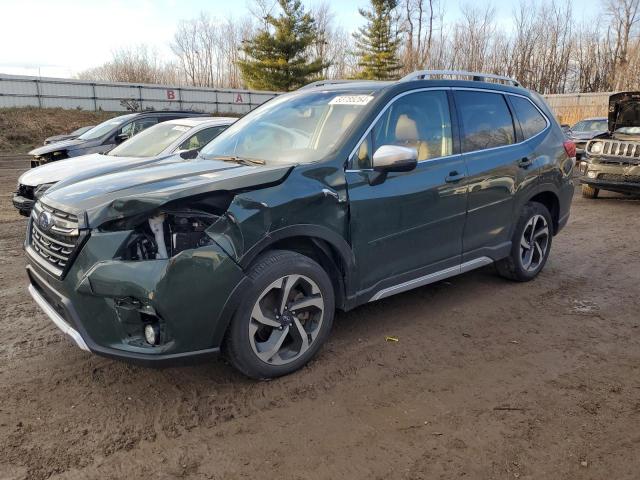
x=121 y=137
x=394 y=158
x=189 y=154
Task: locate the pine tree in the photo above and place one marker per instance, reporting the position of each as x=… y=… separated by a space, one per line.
x=278 y=56
x=377 y=43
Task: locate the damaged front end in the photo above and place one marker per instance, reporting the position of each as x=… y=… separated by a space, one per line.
x=138 y=278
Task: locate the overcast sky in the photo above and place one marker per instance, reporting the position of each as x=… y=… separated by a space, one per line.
x=62 y=37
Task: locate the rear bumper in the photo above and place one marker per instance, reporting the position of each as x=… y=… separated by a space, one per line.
x=22 y=204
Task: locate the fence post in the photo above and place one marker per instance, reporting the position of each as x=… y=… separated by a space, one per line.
x=95 y=98
x=37 y=81
x=140 y=97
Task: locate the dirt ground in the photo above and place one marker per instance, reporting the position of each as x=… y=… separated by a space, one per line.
x=489 y=380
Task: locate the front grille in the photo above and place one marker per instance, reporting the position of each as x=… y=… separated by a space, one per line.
x=615 y=148
x=25 y=191
x=54 y=242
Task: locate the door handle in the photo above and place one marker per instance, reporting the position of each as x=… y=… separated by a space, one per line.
x=525 y=162
x=454 y=176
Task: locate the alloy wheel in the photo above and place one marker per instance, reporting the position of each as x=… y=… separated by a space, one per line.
x=534 y=243
x=286 y=319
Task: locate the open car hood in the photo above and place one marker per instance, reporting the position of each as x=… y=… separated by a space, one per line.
x=130 y=192
x=624 y=110
x=57 y=146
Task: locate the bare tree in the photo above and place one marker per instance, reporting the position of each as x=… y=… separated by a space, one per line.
x=208 y=49
x=138 y=64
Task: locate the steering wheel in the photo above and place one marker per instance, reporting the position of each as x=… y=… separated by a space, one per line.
x=268 y=136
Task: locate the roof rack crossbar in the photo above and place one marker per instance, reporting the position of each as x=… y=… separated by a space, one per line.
x=476 y=76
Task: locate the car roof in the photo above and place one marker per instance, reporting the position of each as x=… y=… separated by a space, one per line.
x=590 y=119
x=197 y=121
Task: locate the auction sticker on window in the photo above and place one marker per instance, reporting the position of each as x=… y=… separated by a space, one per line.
x=351 y=100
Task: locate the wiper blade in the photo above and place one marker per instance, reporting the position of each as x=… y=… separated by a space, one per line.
x=241 y=160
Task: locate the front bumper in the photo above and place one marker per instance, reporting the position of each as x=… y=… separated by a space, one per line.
x=607 y=176
x=57 y=318
x=103 y=305
x=620 y=187
x=24 y=205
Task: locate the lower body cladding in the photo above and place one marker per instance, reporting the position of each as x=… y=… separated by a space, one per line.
x=106 y=306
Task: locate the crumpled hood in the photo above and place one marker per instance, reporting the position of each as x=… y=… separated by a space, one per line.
x=57 y=146
x=129 y=192
x=77 y=168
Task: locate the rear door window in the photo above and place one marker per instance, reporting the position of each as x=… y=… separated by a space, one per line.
x=485 y=120
x=530 y=118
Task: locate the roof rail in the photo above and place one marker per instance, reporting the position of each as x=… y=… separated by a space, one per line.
x=476 y=76
x=320 y=83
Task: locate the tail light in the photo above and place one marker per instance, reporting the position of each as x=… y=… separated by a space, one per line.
x=570 y=148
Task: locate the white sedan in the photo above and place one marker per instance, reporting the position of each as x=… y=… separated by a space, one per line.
x=185 y=136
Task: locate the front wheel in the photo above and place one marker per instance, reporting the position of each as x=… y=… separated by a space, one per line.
x=589 y=192
x=531 y=244
x=284 y=318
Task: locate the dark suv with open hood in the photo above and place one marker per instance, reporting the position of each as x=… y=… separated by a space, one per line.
x=612 y=160
x=335 y=195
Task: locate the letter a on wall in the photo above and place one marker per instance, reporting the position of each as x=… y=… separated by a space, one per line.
x=239 y=98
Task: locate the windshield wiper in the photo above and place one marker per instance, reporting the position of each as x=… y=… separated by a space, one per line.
x=240 y=160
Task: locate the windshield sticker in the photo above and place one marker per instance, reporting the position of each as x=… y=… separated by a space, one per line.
x=180 y=128
x=351 y=100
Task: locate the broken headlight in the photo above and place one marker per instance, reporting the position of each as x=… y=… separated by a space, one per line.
x=168 y=233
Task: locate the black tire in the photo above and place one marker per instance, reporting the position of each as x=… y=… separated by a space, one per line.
x=513 y=266
x=239 y=344
x=589 y=192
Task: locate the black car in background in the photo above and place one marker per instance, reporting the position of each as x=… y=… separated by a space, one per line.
x=67 y=136
x=105 y=136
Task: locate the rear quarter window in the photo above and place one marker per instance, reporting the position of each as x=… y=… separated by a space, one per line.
x=485 y=119
x=530 y=118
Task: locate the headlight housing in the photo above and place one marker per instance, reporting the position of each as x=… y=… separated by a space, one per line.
x=164 y=234
x=596 y=147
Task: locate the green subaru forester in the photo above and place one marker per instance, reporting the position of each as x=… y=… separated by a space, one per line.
x=335 y=195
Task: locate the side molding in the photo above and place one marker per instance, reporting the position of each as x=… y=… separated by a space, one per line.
x=432 y=277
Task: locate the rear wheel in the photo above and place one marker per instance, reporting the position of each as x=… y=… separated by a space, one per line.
x=589 y=192
x=531 y=244
x=284 y=318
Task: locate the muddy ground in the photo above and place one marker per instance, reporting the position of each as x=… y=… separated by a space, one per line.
x=489 y=380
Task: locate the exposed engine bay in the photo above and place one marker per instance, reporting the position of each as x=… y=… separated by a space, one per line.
x=168 y=233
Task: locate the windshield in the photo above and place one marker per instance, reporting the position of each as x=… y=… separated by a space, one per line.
x=301 y=127
x=590 y=126
x=150 y=142
x=104 y=127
